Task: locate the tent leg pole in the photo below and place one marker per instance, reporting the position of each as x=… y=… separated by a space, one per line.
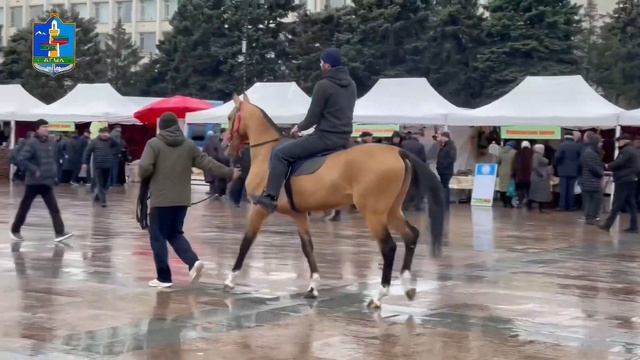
x=613 y=188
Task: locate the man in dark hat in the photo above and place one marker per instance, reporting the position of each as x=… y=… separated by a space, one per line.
x=625 y=175
x=166 y=162
x=447 y=156
x=331 y=112
x=101 y=148
x=38 y=158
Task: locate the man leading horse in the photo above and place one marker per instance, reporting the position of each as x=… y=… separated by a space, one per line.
x=331 y=112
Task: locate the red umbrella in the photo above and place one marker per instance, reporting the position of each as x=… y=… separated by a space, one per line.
x=179 y=105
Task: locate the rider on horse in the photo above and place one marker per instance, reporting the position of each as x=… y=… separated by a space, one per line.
x=331 y=112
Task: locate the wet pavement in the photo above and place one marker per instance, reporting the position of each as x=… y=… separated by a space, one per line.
x=511 y=285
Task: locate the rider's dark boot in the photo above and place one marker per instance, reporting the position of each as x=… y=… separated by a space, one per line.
x=267 y=201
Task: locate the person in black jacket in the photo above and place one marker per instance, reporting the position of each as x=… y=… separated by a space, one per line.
x=18 y=174
x=243 y=162
x=39 y=158
x=444 y=164
x=101 y=148
x=625 y=175
x=81 y=142
x=331 y=112
x=568 y=168
x=413 y=146
x=591 y=179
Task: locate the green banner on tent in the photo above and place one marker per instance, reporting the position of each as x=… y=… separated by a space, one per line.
x=378 y=130
x=531 y=132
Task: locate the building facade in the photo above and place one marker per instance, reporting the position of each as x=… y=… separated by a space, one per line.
x=318 y=5
x=145 y=20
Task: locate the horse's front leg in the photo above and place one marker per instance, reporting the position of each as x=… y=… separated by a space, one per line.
x=302 y=220
x=257 y=215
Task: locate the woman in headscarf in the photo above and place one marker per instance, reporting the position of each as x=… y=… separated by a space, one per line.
x=540 y=190
x=522 y=171
x=505 y=165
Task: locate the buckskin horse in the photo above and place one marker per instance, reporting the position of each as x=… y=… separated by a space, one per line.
x=374 y=177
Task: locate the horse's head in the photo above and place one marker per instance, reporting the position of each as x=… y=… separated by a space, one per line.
x=237 y=135
x=248 y=124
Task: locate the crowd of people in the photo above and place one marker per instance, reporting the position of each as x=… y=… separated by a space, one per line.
x=525 y=176
x=70 y=153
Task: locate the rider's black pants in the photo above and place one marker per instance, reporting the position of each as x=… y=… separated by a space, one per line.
x=303 y=148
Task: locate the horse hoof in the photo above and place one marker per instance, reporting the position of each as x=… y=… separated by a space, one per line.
x=311 y=294
x=410 y=294
x=228 y=287
x=374 y=304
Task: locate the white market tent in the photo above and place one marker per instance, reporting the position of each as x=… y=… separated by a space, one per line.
x=141 y=101
x=630 y=118
x=403 y=101
x=15 y=101
x=88 y=103
x=285 y=103
x=544 y=100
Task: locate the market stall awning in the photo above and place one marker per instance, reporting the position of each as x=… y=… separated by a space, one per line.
x=285 y=103
x=88 y=103
x=15 y=101
x=403 y=101
x=630 y=118
x=179 y=105
x=566 y=101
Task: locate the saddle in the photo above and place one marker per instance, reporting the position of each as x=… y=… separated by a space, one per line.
x=304 y=167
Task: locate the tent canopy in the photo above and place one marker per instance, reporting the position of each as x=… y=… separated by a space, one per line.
x=15 y=102
x=141 y=101
x=403 y=101
x=89 y=102
x=544 y=100
x=285 y=103
x=630 y=118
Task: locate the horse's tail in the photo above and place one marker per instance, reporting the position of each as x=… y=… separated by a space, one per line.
x=429 y=185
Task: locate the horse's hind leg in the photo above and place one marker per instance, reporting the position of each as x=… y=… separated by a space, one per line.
x=257 y=215
x=410 y=235
x=302 y=220
x=378 y=227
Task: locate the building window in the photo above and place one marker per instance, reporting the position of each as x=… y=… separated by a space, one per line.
x=1 y=18
x=147 y=10
x=36 y=12
x=57 y=8
x=337 y=3
x=148 y=42
x=124 y=11
x=16 y=17
x=102 y=40
x=170 y=7
x=102 y=12
x=81 y=9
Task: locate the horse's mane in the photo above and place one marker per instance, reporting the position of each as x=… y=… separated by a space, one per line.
x=269 y=120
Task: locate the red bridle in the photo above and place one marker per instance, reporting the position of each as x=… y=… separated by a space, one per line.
x=235 y=129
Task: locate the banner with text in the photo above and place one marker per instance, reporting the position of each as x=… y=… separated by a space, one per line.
x=378 y=130
x=531 y=132
x=62 y=126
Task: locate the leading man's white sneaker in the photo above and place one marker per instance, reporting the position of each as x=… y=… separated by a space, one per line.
x=63 y=237
x=196 y=271
x=157 y=284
